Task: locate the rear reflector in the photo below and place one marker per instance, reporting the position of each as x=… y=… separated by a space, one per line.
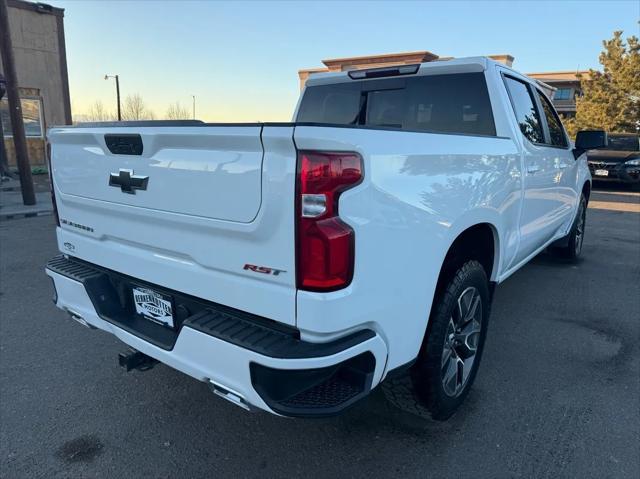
x=325 y=244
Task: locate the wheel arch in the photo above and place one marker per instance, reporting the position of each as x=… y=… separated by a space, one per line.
x=480 y=242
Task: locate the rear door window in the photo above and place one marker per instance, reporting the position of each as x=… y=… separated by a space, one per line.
x=453 y=103
x=525 y=110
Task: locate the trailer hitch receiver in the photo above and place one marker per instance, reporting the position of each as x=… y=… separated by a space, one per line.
x=134 y=359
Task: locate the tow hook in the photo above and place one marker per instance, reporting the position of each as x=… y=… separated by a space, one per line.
x=134 y=359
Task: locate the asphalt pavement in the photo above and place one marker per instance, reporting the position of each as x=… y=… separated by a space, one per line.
x=557 y=394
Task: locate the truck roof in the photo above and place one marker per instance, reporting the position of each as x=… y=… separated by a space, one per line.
x=455 y=65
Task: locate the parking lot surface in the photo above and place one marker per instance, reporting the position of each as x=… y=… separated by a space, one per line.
x=557 y=394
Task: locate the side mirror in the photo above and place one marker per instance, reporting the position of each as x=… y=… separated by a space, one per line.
x=589 y=140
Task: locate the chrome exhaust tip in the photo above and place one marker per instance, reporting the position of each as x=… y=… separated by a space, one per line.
x=78 y=318
x=230 y=395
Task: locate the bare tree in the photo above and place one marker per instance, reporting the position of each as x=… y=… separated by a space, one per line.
x=97 y=112
x=178 y=112
x=135 y=109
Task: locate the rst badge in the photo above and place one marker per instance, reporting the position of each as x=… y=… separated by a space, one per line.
x=263 y=269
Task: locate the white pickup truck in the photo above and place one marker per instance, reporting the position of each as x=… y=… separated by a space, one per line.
x=296 y=266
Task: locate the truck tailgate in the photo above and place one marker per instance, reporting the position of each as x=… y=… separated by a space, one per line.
x=197 y=171
x=185 y=207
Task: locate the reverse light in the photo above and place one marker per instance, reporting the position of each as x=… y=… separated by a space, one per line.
x=313 y=205
x=325 y=244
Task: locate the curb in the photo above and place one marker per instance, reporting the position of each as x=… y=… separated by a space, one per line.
x=26 y=214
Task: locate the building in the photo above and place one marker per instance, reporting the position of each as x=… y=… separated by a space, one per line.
x=562 y=87
x=37 y=34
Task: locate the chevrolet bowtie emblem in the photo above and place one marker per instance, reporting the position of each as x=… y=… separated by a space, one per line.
x=127 y=181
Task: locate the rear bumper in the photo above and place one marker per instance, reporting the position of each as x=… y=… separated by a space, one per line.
x=262 y=365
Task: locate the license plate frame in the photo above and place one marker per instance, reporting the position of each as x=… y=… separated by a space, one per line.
x=154 y=305
x=600 y=172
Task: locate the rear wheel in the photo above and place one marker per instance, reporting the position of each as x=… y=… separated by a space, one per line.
x=438 y=382
x=573 y=248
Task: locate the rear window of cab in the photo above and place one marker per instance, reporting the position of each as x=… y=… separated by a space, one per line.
x=453 y=103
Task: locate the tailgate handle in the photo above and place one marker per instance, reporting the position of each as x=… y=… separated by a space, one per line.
x=124 y=144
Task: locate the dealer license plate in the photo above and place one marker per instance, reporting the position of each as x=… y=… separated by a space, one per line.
x=153 y=305
x=602 y=172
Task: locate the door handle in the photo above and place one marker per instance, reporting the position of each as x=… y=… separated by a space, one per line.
x=531 y=169
x=562 y=166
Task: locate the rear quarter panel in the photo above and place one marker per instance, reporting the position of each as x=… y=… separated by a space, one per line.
x=420 y=191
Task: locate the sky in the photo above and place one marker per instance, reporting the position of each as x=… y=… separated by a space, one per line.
x=240 y=59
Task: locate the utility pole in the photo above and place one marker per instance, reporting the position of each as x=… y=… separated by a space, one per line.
x=106 y=77
x=194 y=106
x=15 y=108
x=4 y=163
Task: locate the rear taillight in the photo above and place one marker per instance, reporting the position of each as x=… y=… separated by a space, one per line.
x=325 y=244
x=53 y=194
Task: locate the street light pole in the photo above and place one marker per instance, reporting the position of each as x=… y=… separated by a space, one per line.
x=106 y=77
x=194 y=106
x=118 y=95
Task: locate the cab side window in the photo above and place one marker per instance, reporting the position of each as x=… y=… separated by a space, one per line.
x=556 y=131
x=525 y=110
